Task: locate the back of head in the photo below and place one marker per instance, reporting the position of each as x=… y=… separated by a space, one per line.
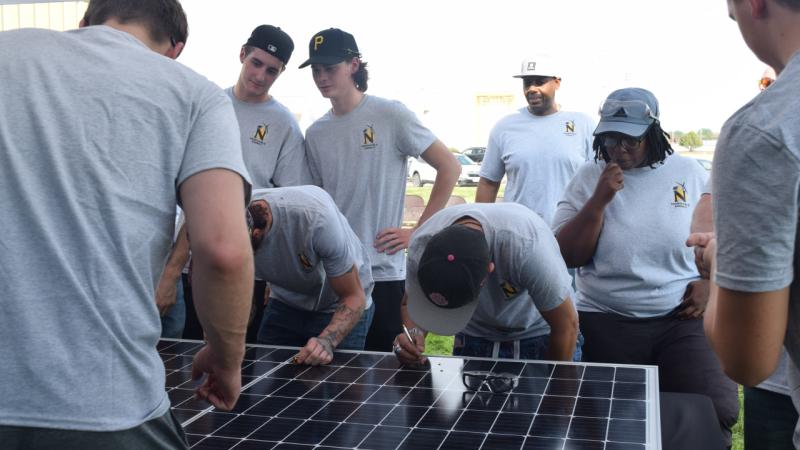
x=164 y=19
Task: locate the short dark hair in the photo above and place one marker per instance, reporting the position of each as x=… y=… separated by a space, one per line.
x=656 y=143
x=361 y=76
x=164 y=19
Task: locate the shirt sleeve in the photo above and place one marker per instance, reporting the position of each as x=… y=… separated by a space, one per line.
x=291 y=168
x=575 y=195
x=755 y=210
x=544 y=273
x=332 y=246
x=413 y=138
x=492 y=167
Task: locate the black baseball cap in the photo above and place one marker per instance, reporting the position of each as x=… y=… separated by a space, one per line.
x=453 y=265
x=331 y=46
x=272 y=40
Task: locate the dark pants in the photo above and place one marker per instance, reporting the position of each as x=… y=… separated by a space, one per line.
x=679 y=348
x=194 y=330
x=387 y=322
x=163 y=432
x=769 y=420
x=531 y=348
x=285 y=325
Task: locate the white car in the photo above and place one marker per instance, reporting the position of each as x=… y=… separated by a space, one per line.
x=420 y=172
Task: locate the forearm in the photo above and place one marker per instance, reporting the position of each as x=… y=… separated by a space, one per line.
x=702 y=220
x=222 y=294
x=440 y=193
x=347 y=315
x=487 y=191
x=561 y=345
x=177 y=259
x=578 y=238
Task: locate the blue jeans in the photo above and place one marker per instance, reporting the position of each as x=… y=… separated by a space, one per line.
x=285 y=325
x=173 y=321
x=531 y=348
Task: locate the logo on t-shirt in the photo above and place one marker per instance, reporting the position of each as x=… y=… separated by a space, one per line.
x=368 y=138
x=569 y=128
x=679 y=195
x=305 y=262
x=260 y=136
x=509 y=290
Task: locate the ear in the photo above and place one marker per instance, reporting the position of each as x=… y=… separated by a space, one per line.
x=758 y=8
x=82 y=23
x=557 y=81
x=355 y=64
x=175 y=50
x=491 y=269
x=241 y=55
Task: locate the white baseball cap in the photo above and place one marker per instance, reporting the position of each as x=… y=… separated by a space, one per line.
x=539 y=66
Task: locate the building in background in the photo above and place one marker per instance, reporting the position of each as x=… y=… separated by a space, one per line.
x=58 y=16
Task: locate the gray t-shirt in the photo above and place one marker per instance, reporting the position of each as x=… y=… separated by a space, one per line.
x=756 y=185
x=540 y=155
x=309 y=240
x=529 y=273
x=641 y=266
x=272 y=143
x=361 y=160
x=98 y=132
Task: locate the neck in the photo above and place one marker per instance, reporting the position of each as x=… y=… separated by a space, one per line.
x=346 y=103
x=142 y=34
x=783 y=33
x=238 y=92
x=552 y=110
x=469 y=222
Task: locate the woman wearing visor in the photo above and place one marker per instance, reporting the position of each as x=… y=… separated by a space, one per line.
x=623 y=222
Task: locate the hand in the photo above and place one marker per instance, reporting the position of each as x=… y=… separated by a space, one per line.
x=392 y=240
x=702 y=257
x=221 y=386
x=610 y=181
x=318 y=351
x=695 y=300
x=267 y=291
x=407 y=352
x=166 y=295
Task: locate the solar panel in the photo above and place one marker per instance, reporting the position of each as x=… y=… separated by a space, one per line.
x=369 y=400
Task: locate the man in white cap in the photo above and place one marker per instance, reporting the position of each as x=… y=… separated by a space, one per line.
x=493 y=276
x=539 y=147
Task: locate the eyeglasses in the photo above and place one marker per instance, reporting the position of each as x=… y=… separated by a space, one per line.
x=495 y=383
x=764 y=83
x=627 y=142
x=626 y=108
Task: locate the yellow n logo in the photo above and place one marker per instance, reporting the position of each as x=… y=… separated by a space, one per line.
x=261 y=133
x=570 y=127
x=679 y=191
x=369 y=135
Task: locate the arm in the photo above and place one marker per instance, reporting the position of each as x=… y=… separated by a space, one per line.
x=746 y=329
x=392 y=240
x=178 y=257
x=487 y=191
x=578 y=238
x=409 y=353
x=563 y=321
x=447 y=172
x=319 y=350
x=702 y=223
x=223 y=279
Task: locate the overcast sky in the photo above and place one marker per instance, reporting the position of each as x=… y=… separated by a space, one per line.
x=437 y=55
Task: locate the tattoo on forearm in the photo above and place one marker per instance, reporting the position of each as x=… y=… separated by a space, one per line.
x=344 y=319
